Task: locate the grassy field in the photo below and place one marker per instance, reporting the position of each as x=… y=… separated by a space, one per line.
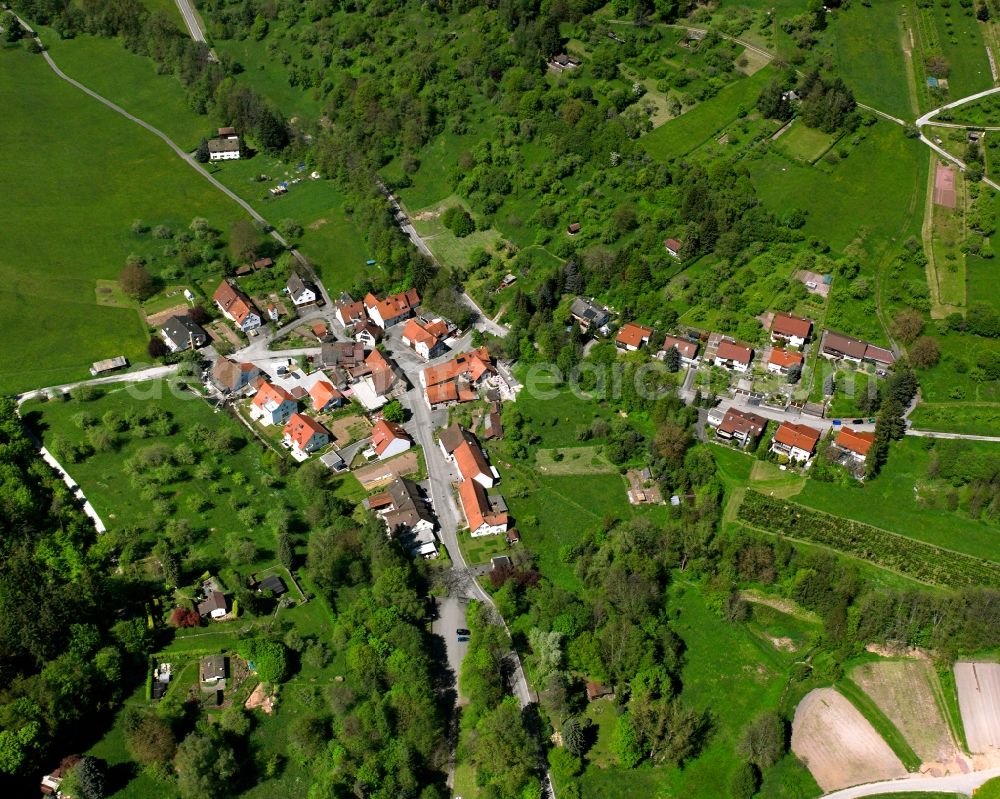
x=679 y=136
x=968 y=418
x=573 y=460
x=446 y=246
x=82 y=175
x=802 y=143
x=985 y=111
x=890 y=502
x=870 y=56
x=131 y=81
x=883 y=726
x=944 y=230
x=962 y=43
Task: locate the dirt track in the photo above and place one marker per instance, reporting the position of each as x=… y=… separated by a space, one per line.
x=905 y=691
x=979 y=700
x=837 y=743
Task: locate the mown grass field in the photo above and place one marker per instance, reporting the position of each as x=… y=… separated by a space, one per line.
x=131 y=81
x=870 y=57
x=80 y=174
x=890 y=502
x=802 y=143
x=679 y=136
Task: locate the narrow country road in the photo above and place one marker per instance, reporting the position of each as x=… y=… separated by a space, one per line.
x=953 y=783
x=191 y=20
x=153 y=373
x=927 y=118
x=954 y=436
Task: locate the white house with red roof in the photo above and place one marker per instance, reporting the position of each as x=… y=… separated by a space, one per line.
x=780 y=360
x=796 y=441
x=304 y=434
x=236 y=306
x=855 y=443
x=272 y=405
x=733 y=356
x=792 y=330
x=325 y=396
x=687 y=349
x=426 y=339
x=389 y=439
x=350 y=312
x=632 y=336
x=393 y=309
x=673 y=248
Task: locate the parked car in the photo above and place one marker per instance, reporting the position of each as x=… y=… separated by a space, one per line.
x=462 y=631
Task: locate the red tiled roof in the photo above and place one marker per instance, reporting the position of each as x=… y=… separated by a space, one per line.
x=784 y=358
x=855 y=441
x=787 y=325
x=471 y=461
x=687 y=349
x=477 y=506
x=416 y=333
x=673 y=244
x=301 y=428
x=395 y=304
x=633 y=335
x=323 y=393
x=268 y=392
x=233 y=301
x=798 y=435
x=384 y=433
x=442 y=392
x=879 y=354
x=470 y=364
x=352 y=312
x=742 y=422
x=846 y=345
x=731 y=351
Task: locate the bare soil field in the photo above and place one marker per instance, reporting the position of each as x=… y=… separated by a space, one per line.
x=979 y=702
x=348 y=428
x=907 y=692
x=838 y=745
x=381 y=474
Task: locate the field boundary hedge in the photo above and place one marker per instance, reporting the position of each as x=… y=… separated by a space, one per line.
x=907 y=556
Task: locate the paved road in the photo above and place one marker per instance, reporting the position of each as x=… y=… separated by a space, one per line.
x=451 y=617
x=153 y=373
x=954 y=783
x=191 y=20
x=957 y=436
x=926 y=120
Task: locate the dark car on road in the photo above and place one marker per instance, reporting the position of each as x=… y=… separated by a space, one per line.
x=462 y=631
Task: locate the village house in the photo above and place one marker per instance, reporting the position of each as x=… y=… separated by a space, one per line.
x=588 y=314
x=792 y=330
x=461 y=448
x=225 y=146
x=301 y=291
x=388 y=439
x=393 y=309
x=456 y=380
x=492 y=424
x=345 y=355
x=562 y=62
x=325 y=396
x=796 y=441
x=837 y=346
x=304 y=434
x=232 y=377
x=236 y=306
x=50 y=782
x=367 y=335
x=485 y=514
x=181 y=333
x=350 y=312
x=673 y=248
x=215 y=605
x=272 y=405
x=375 y=381
x=212 y=669
x=426 y=339
x=733 y=356
x=742 y=427
x=272 y=312
x=854 y=443
x=632 y=336
x=780 y=361
x=688 y=350
x=407 y=516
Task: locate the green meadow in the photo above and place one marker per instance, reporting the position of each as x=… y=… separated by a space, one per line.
x=81 y=175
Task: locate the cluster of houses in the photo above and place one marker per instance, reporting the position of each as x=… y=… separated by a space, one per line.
x=796 y=442
x=460 y=379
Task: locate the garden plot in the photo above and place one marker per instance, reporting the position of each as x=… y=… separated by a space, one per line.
x=979 y=702
x=838 y=745
x=906 y=691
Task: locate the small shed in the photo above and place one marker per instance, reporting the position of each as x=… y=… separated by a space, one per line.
x=597 y=690
x=573 y=229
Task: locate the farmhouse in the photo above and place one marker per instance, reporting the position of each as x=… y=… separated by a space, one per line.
x=457 y=379
x=854 y=443
x=425 y=339
x=673 y=248
x=376 y=380
x=588 y=313
x=224 y=149
x=183 y=333
x=301 y=291
x=232 y=377
x=215 y=605
x=272 y=405
x=389 y=439
x=350 y=312
x=236 y=306
x=688 y=350
x=304 y=434
x=780 y=361
x=393 y=309
x=108 y=365
x=742 y=427
x=733 y=356
x=796 y=441
x=325 y=396
x=407 y=516
x=632 y=336
x=792 y=330
x=486 y=515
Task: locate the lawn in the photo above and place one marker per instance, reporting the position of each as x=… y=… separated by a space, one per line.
x=449 y=249
x=82 y=175
x=890 y=502
x=868 y=46
x=962 y=44
x=967 y=418
x=679 y=136
x=557 y=420
x=803 y=143
x=843 y=203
